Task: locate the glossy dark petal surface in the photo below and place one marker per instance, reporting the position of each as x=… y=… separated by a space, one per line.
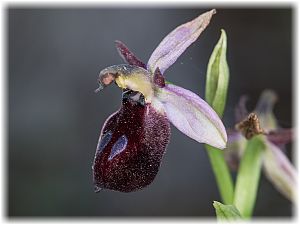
x=131 y=146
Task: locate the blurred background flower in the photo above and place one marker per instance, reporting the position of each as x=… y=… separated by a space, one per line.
x=277 y=167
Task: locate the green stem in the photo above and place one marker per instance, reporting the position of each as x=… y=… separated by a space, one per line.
x=248 y=177
x=222 y=174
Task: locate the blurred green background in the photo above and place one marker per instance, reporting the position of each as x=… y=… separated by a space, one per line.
x=55 y=118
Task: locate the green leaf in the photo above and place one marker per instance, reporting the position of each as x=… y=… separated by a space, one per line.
x=226 y=212
x=217 y=76
x=248 y=176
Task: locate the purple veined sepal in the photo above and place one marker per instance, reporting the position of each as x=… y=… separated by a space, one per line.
x=192 y=115
x=177 y=41
x=131 y=146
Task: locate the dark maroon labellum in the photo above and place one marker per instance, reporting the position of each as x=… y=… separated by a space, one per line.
x=131 y=146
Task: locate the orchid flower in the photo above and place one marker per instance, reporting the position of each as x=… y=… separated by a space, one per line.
x=277 y=167
x=133 y=140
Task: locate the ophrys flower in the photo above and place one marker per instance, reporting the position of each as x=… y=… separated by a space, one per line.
x=133 y=140
x=276 y=165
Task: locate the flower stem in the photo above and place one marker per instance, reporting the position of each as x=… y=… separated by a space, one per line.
x=222 y=174
x=248 y=177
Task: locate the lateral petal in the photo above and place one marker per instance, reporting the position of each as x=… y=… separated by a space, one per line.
x=128 y=56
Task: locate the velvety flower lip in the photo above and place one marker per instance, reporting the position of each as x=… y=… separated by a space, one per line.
x=134 y=139
x=277 y=167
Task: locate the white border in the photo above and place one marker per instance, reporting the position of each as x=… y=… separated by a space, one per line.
x=113 y=3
